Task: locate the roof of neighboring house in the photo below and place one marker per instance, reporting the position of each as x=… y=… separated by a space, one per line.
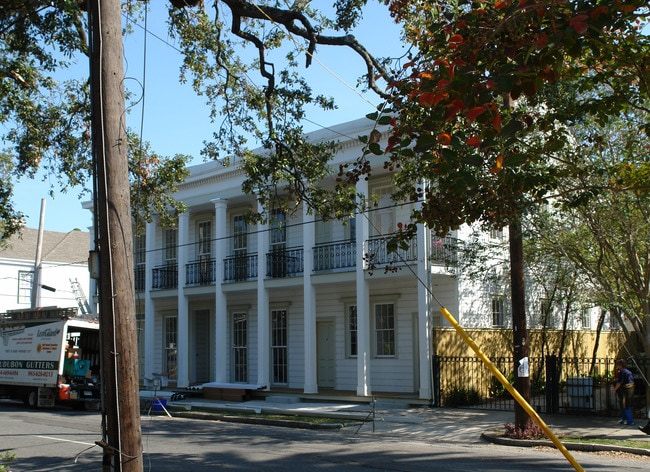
x=71 y=247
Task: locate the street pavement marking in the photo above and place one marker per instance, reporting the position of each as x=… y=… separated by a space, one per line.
x=66 y=440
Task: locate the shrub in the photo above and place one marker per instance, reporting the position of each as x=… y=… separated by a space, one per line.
x=5 y=461
x=461 y=396
x=531 y=431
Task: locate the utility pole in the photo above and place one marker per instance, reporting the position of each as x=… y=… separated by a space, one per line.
x=122 y=439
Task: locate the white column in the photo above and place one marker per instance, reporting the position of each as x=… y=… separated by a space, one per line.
x=263 y=314
x=149 y=307
x=221 y=305
x=363 y=301
x=309 y=297
x=424 y=326
x=183 y=378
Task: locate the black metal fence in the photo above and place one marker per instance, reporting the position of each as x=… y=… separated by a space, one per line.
x=558 y=384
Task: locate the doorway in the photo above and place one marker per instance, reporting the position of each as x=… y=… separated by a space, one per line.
x=201 y=346
x=326 y=354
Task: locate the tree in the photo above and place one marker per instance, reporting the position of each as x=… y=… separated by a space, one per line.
x=602 y=227
x=45 y=108
x=477 y=125
x=10 y=219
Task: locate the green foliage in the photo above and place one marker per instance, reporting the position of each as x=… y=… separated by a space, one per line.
x=461 y=396
x=45 y=111
x=5 y=461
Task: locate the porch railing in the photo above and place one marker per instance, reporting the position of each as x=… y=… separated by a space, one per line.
x=285 y=262
x=335 y=255
x=378 y=253
x=201 y=272
x=240 y=267
x=443 y=250
x=164 y=277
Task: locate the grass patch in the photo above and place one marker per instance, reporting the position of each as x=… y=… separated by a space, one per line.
x=609 y=442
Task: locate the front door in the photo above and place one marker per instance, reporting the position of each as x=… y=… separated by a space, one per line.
x=202 y=346
x=326 y=354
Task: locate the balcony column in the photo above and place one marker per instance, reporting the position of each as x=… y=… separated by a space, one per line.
x=263 y=313
x=149 y=307
x=221 y=305
x=424 y=309
x=363 y=300
x=183 y=379
x=309 y=296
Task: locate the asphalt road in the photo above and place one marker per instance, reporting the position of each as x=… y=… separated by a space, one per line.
x=63 y=440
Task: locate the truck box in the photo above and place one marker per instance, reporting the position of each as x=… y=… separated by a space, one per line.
x=46 y=350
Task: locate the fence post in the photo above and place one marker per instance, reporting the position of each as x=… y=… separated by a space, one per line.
x=435 y=367
x=552 y=385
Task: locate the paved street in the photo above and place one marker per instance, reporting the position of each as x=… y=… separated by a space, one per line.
x=63 y=440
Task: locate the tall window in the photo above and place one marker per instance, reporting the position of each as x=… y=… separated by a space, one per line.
x=385 y=329
x=496 y=234
x=278 y=228
x=139 y=255
x=585 y=318
x=498 y=313
x=170 y=243
x=279 y=346
x=545 y=313
x=352 y=331
x=205 y=239
x=25 y=280
x=240 y=234
x=383 y=216
x=240 y=347
x=171 y=346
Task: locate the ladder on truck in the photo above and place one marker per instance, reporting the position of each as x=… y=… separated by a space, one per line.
x=80 y=296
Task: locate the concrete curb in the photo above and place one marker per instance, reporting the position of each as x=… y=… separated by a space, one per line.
x=572 y=446
x=256 y=420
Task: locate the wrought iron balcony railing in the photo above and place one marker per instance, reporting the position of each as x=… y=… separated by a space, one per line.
x=240 y=267
x=285 y=262
x=201 y=272
x=335 y=256
x=164 y=277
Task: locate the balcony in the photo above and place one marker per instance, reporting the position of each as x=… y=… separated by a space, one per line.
x=335 y=256
x=164 y=277
x=378 y=254
x=201 y=272
x=282 y=262
x=443 y=250
x=240 y=267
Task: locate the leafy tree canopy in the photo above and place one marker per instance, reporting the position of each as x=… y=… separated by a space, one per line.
x=45 y=108
x=481 y=112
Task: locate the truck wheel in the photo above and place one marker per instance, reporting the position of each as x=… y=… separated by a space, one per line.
x=31 y=400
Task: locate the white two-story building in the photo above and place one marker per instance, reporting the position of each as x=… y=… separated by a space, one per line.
x=298 y=303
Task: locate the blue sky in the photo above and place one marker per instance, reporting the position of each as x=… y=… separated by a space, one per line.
x=177 y=121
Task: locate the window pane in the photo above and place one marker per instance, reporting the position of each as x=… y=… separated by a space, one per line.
x=385 y=329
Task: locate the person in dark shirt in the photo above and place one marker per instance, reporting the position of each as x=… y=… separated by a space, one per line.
x=624 y=390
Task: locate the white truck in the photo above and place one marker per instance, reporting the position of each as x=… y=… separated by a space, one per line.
x=49 y=356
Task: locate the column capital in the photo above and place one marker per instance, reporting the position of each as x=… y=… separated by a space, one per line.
x=219 y=201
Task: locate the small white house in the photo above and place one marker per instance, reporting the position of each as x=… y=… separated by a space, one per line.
x=63 y=276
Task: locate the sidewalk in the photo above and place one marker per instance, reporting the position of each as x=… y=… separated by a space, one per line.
x=396 y=418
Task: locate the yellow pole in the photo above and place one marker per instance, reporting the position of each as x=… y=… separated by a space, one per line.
x=515 y=394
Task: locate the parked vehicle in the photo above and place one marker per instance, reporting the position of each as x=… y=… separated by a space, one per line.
x=48 y=356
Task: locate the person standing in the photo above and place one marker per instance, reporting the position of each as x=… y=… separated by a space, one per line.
x=624 y=390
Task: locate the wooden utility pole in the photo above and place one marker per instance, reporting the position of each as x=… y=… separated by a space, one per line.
x=519 y=330
x=122 y=440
